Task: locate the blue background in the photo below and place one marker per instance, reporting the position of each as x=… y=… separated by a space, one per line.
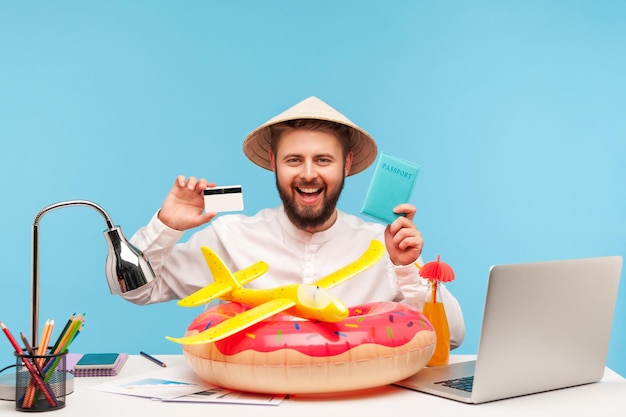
x=514 y=110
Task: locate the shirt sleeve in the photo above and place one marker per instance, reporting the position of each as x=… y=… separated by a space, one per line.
x=414 y=289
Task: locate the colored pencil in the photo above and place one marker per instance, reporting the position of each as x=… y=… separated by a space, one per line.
x=41 y=351
x=45 y=338
x=28 y=399
x=67 y=326
x=33 y=372
x=65 y=341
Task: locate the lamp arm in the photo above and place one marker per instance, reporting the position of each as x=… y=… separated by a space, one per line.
x=55 y=206
x=126 y=267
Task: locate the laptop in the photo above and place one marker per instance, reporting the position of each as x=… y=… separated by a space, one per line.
x=546 y=326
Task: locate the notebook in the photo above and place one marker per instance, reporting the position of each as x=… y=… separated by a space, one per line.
x=73 y=358
x=546 y=326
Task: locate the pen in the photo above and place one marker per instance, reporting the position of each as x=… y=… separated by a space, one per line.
x=153 y=359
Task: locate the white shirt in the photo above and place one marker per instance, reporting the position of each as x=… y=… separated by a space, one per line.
x=294 y=257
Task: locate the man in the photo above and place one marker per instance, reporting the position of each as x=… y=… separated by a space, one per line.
x=311 y=148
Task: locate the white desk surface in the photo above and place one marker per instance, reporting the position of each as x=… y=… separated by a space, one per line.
x=605 y=398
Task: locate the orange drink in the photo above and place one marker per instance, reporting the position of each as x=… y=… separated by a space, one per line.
x=436 y=315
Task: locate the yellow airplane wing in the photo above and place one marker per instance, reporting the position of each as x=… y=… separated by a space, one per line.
x=224 y=281
x=243 y=276
x=372 y=255
x=210 y=292
x=236 y=324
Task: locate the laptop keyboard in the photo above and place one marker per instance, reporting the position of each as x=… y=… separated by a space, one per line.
x=463 y=384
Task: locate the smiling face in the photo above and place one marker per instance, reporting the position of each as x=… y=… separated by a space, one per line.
x=310 y=168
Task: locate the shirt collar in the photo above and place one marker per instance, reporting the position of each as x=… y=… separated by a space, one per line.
x=306 y=237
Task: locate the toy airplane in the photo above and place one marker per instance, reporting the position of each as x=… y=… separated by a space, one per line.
x=312 y=302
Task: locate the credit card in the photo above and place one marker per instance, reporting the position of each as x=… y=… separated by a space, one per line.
x=226 y=198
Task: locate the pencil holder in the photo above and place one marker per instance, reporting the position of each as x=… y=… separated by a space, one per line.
x=40 y=382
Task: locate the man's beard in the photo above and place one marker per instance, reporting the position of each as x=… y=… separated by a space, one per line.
x=308 y=217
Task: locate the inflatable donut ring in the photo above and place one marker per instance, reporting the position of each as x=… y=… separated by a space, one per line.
x=378 y=344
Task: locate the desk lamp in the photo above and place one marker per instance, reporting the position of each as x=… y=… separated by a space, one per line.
x=126 y=267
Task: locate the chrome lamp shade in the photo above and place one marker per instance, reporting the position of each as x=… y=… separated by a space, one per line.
x=126 y=266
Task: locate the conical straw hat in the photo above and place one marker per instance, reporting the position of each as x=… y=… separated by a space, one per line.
x=257 y=144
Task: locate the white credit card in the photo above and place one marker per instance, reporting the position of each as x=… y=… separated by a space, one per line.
x=226 y=198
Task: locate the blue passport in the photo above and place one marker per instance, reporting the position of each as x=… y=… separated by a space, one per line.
x=392 y=184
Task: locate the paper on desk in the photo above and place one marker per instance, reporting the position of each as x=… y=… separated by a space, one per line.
x=226 y=396
x=160 y=384
x=180 y=384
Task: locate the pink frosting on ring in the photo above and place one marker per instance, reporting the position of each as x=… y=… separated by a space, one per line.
x=383 y=323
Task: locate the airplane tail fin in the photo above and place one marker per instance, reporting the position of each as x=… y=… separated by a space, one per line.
x=220 y=272
x=224 y=281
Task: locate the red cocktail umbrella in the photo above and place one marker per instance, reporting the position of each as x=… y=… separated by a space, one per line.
x=437 y=271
